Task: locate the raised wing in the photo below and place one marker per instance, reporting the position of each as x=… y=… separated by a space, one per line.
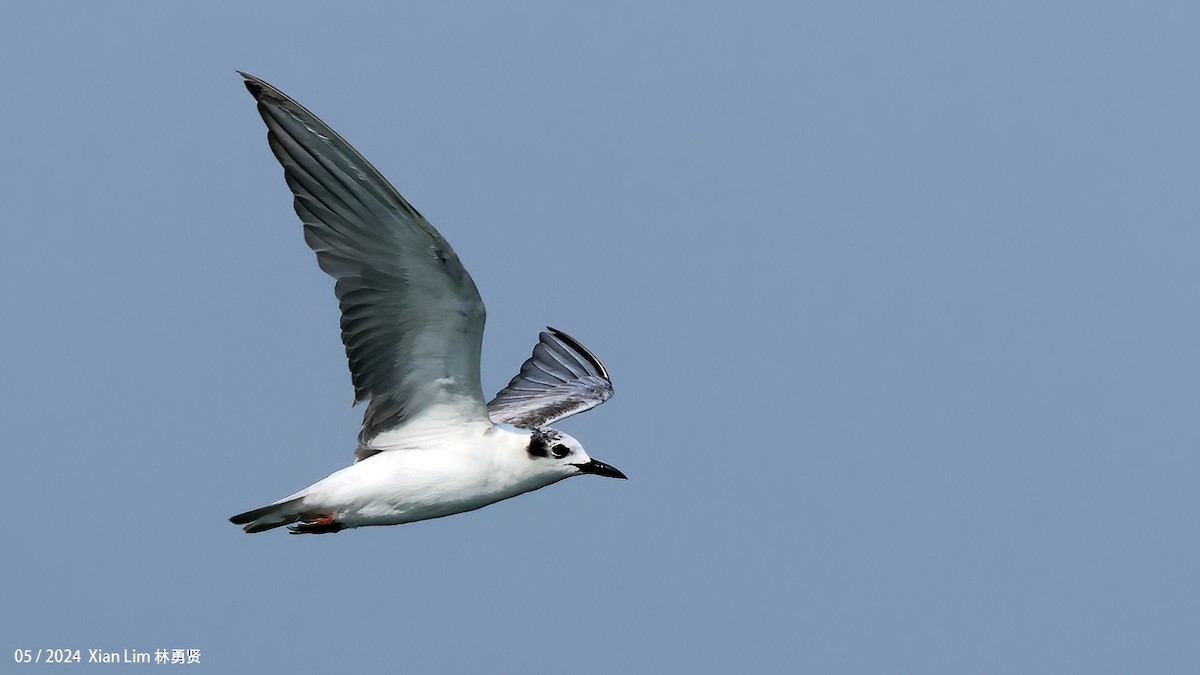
x=560 y=379
x=412 y=319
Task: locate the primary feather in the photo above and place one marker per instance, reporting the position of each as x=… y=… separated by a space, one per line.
x=560 y=379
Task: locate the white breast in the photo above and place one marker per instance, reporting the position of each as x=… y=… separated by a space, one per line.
x=429 y=475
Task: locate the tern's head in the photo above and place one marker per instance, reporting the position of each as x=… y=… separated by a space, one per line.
x=561 y=454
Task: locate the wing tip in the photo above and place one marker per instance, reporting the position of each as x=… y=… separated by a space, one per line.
x=578 y=348
x=262 y=90
x=253 y=84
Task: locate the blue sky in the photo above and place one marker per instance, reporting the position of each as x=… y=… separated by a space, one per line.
x=899 y=301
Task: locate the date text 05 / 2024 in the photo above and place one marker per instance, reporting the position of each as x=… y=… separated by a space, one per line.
x=76 y=656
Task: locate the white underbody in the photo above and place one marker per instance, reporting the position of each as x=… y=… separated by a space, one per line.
x=428 y=473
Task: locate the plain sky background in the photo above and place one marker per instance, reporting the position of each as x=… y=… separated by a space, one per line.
x=900 y=300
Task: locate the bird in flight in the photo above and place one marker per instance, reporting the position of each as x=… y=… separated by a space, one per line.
x=412 y=323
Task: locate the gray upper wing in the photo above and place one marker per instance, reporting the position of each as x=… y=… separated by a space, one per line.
x=412 y=319
x=560 y=379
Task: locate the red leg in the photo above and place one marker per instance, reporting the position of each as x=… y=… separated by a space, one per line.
x=319 y=525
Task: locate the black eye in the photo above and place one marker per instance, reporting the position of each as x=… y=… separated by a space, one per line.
x=560 y=450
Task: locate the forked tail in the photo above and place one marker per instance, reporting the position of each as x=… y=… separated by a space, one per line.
x=271 y=516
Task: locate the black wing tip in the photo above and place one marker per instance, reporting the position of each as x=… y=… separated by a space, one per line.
x=264 y=91
x=253 y=84
x=579 y=349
